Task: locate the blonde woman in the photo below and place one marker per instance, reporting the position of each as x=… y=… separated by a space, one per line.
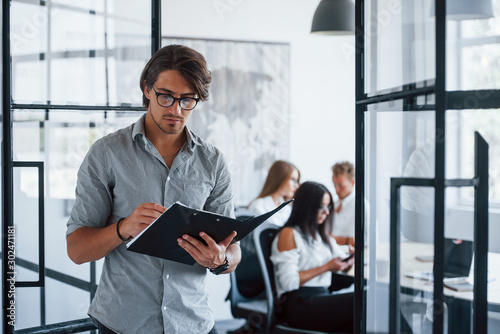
x=282 y=181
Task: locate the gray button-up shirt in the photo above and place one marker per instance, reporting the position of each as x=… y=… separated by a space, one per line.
x=139 y=293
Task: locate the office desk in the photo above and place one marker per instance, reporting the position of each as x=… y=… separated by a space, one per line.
x=459 y=304
x=409 y=251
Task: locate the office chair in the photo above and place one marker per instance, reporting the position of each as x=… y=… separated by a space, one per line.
x=253 y=309
x=263 y=237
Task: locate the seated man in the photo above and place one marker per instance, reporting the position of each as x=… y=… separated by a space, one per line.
x=343 y=220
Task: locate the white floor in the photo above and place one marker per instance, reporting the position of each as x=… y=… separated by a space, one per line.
x=225 y=325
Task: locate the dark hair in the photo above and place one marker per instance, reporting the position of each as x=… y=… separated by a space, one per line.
x=308 y=200
x=279 y=172
x=190 y=63
x=344 y=168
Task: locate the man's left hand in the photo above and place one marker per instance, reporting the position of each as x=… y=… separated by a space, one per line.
x=210 y=255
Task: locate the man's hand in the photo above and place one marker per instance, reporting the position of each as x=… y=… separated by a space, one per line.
x=211 y=255
x=143 y=215
x=93 y=243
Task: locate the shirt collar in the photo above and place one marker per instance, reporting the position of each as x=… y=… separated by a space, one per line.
x=349 y=197
x=138 y=129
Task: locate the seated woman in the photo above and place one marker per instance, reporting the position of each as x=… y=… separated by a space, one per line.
x=281 y=183
x=304 y=255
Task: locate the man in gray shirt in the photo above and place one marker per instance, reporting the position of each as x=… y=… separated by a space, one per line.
x=127 y=180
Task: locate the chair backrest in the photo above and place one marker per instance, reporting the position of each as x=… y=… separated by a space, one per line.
x=263 y=238
x=248 y=274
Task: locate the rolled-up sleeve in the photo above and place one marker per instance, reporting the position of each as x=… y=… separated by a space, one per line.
x=286 y=269
x=93 y=192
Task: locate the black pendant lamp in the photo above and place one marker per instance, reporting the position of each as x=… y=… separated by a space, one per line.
x=334 y=17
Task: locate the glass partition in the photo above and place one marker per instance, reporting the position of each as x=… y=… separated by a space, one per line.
x=460 y=146
x=61 y=144
x=398 y=145
x=88 y=53
x=64 y=53
x=399 y=44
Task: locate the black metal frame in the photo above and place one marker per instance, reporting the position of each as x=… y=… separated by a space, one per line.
x=8 y=165
x=41 y=224
x=443 y=100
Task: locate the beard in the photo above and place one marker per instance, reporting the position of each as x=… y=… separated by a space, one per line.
x=169 y=129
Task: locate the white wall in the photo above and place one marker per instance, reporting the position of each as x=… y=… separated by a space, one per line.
x=322 y=69
x=322 y=80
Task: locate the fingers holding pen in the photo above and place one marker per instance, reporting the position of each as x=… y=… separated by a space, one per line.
x=140 y=218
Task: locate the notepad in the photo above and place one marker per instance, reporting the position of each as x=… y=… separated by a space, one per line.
x=159 y=239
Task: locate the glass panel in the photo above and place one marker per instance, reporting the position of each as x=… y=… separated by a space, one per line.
x=459 y=227
x=400 y=43
x=398 y=144
x=473 y=50
x=480 y=67
x=26 y=219
x=462 y=125
x=27 y=306
x=89 y=54
x=485 y=27
x=61 y=142
x=29 y=30
x=129 y=44
x=416 y=260
x=459 y=201
x=76 y=30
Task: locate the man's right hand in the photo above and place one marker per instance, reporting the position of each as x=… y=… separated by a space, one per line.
x=93 y=243
x=143 y=215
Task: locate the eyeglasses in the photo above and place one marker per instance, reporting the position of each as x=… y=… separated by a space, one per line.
x=326 y=208
x=167 y=100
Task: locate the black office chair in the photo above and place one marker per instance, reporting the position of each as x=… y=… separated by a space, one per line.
x=263 y=237
x=253 y=309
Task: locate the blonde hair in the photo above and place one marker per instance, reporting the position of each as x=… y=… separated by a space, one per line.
x=344 y=168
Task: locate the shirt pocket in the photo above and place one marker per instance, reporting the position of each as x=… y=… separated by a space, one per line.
x=195 y=195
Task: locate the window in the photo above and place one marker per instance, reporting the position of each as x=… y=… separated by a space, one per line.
x=477 y=49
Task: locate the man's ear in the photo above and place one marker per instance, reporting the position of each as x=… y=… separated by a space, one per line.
x=147 y=91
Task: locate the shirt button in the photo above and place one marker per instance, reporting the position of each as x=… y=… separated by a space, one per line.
x=168 y=178
x=164 y=308
x=167 y=276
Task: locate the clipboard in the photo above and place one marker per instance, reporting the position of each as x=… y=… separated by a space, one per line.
x=159 y=239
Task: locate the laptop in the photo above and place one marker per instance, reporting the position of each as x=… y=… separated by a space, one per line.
x=458 y=256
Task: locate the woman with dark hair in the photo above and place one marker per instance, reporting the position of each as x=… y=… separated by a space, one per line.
x=304 y=255
x=281 y=183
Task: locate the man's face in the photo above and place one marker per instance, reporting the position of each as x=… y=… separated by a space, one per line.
x=343 y=185
x=169 y=120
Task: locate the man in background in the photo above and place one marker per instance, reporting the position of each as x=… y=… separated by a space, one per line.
x=343 y=220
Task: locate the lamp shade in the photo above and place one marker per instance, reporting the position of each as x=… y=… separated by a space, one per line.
x=334 y=17
x=467 y=9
